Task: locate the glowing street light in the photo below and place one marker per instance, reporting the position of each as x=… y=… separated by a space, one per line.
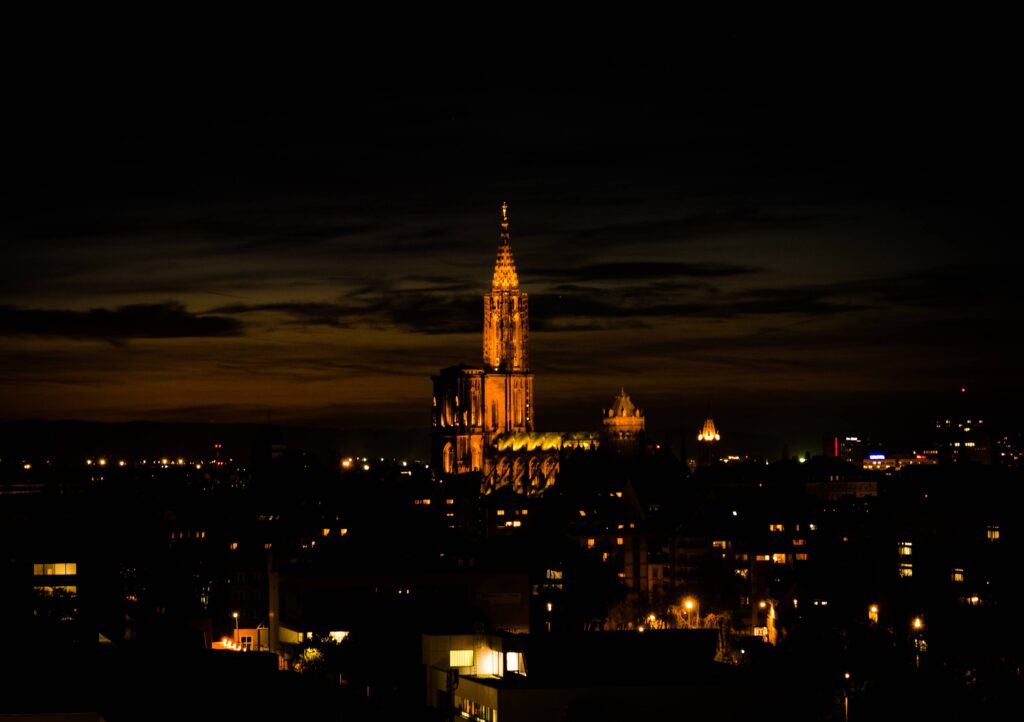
x=692 y=605
x=917 y=624
x=235 y=616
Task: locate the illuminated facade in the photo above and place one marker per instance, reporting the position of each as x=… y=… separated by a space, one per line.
x=473 y=406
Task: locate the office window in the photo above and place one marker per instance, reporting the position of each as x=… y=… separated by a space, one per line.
x=957 y=575
x=992 y=533
x=905 y=549
x=56 y=569
x=906 y=570
x=460 y=658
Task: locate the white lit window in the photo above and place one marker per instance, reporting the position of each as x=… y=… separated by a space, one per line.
x=460 y=658
x=905 y=549
x=906 y=569
x=779 y=558
x=957 y=575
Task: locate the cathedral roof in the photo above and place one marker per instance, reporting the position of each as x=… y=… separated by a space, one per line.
x=623 y=406
x=505 y=277
x=708 y=432
x=543 y=440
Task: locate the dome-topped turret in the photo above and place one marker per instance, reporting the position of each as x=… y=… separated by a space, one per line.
x=623 y=424
x=623 y=406
x=709 y=432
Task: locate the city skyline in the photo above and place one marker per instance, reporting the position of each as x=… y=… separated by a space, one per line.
x=788 y=249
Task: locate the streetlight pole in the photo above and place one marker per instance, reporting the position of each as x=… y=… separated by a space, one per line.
x=235 y=615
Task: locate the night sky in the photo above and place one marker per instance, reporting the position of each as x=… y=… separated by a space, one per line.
x=797 y=238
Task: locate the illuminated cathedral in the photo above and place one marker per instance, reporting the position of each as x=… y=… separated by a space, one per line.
x=482 y=417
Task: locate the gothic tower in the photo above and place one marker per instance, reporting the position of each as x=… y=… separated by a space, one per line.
x=506 y=311
x=508 y=384
x=472 y=406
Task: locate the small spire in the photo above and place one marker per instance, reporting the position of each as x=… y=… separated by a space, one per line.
x=505 y=278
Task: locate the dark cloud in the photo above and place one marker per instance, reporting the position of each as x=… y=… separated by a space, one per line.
x=160 y=320
x=412 y=311
x=640 y=270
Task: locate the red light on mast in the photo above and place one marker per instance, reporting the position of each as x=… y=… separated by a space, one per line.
x=835 y=444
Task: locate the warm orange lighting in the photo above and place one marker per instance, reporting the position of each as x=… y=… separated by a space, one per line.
x=688 y=603
x=762 y=604
x=918 y=623
x=26 y=467
x=102 y=462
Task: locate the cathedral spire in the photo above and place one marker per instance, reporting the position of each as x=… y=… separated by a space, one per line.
x=505 y=277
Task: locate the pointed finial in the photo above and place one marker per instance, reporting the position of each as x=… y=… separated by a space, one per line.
x=504 y=212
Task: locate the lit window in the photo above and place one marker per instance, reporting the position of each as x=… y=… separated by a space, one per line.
x=460 y=658
x=812 y=527
x=799 y=542
x=741 y=572
x=905 y=549
x=500 y=512
x=590 y=543
x=957 y=575
x=906 y=570
x=800 y=556
x=449 y=501
x=779 y=558
x=57 y=569
x=517 y=523
x=604 y=556
x=619 y=540
x=992 y=533
x=234 y=546
x=514 y=662
x=762 y=557
x=776 y=527
x=720 y=544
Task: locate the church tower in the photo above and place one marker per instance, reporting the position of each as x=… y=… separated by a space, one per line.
x=472 y=406
x=508 y=383
x=506 y=311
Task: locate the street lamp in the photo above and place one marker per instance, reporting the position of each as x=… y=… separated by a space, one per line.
x=690 y=604
x=235 y=615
